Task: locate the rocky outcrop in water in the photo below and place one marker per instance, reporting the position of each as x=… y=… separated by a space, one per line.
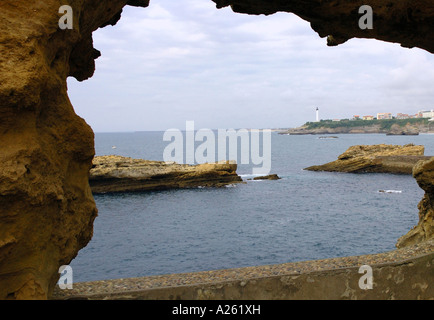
x=122 y=174
x=407 y=130
x=267 y=177
x=423 y=172
x=46 y=205
x=376 y=158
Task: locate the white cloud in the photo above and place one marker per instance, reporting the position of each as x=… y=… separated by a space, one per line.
x=178 y=61
x=156 y=11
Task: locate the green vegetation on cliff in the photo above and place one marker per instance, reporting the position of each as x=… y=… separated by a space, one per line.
x=385 y=124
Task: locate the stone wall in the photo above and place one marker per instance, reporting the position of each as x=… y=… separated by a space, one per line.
x=399 y=274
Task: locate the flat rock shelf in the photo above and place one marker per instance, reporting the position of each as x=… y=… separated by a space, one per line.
x=122 y=174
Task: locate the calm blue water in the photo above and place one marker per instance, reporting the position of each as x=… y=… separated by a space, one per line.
x=304 y=216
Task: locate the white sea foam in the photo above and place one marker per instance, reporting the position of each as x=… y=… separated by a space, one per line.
x=390 y=191
x=230 y=185
x=249 y=175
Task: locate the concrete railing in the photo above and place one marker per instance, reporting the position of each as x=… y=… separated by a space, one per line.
x=406 y=273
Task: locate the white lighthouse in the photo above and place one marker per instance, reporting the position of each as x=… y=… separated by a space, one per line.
x=317 y=114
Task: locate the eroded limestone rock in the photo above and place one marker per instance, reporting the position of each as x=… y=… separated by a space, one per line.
x=408 y=130
x=424 y=174
x=406 y=22
x=46 y=150
x=268 y=177
x=380 y=158
x=123 y=174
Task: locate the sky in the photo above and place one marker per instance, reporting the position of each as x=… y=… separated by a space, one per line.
x=179 y=61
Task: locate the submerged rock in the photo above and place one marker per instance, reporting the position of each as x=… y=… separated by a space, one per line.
x=122 y=174
x=376 y=158
x=268 y=177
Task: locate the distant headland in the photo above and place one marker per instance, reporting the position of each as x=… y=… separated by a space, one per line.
x=410 y=126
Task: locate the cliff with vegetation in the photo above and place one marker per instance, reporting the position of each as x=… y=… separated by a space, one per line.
x=390 y=127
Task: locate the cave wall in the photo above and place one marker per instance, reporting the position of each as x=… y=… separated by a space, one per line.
x=46 y=150
x=408 y=22
x=423 y=172
x=46 y=205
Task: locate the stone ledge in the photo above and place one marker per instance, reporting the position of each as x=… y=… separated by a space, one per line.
x=405 y=273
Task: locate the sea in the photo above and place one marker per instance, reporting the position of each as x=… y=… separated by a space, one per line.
x=303 y=216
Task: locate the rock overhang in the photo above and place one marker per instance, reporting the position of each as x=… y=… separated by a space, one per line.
x=405 y=22
x=47 y=150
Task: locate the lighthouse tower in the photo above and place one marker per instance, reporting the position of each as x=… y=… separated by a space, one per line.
x=317 y=114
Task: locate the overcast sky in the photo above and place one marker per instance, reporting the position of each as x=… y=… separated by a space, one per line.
x=177 y=61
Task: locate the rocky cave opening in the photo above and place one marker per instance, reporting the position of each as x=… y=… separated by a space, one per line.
x=47 y=209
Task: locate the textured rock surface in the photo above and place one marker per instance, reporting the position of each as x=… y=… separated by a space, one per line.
x=46 y=206
x=408 y=130
x=376 y=158
x=268 y=177
x=340 y=130
x=406 y=22
x=424 y=174
x=121 y=174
